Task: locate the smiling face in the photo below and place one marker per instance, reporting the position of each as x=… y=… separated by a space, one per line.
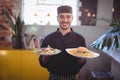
x=65 y=20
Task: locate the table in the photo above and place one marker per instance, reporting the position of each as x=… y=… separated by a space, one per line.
x=21 y=65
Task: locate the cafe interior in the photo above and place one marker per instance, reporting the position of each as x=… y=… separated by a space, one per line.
x=18 y=61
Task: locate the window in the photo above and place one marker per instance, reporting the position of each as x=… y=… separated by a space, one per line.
x=44 y=12
x=89 y=12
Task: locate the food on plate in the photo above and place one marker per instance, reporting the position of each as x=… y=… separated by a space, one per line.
x=82 y=52
x=82 y=49
x=46 y=50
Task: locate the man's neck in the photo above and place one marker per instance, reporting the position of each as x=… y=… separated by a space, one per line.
x=64 y=32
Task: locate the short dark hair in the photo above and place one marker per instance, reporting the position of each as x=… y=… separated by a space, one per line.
x=64 y=9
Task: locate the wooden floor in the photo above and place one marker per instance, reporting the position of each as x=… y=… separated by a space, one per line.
x=21 y=65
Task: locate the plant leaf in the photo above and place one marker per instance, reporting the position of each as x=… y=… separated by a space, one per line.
x=116 y=43
x=109 y=43
x=103 y=44
x=4 y=27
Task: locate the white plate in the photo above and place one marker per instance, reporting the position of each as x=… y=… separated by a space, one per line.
x=50 y=52
x=94 y=54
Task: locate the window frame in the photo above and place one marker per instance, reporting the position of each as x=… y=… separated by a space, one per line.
x=75 y=15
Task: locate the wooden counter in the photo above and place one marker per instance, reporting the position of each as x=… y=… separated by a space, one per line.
x=21 y=65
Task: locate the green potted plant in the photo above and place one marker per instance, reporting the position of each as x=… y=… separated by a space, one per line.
x=16 y=25
x=111 y=38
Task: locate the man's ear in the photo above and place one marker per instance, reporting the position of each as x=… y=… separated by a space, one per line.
x=57 y=18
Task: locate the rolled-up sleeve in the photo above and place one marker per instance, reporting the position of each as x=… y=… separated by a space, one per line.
x=41 y=62
x=82 y=62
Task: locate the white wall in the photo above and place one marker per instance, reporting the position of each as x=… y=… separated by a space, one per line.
x=104 y=10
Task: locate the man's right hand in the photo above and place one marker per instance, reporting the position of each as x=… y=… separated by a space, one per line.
x=45 y=58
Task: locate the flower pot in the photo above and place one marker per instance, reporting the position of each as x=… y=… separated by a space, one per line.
x=17 y=42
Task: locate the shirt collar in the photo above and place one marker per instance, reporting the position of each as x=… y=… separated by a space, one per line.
x=70 y=33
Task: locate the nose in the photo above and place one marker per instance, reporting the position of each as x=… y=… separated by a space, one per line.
x=65 y=19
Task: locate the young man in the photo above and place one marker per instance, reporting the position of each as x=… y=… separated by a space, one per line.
x=63 y=66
